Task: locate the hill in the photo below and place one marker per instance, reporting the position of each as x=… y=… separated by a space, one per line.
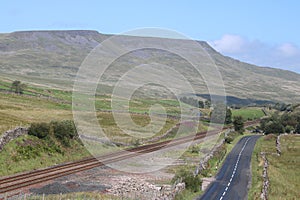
x=52 y=58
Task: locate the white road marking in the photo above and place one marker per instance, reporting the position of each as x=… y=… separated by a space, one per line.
x=234 y=170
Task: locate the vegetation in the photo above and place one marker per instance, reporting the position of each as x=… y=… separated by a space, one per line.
x=221 y=114
x=280 y=123
x=193 y=102
x=63 y=131
x=283 y=107
x=248 y=113
x=238 y=124
x=192 y=182
x=57 y=71
x=28 y=152
x=18 y=87
x=282 y=171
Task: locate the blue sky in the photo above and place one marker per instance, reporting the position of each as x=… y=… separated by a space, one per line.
x=264 y=32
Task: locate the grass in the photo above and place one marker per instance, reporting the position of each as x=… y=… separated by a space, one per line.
x=13 y=159
x=22 y=110
x=217 y=161
x=283 y=171
x=248 y=113
x=116 y=134
x=17 y=110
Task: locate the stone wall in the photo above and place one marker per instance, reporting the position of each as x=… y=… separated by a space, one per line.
x=10 y=135
x=265 y=187
x=203 y=162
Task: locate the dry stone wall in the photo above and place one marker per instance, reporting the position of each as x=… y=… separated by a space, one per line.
x=12 y=134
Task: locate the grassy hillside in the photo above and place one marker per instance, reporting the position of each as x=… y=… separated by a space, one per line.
x=52 y=58
x=28 y=153
x=41 y=104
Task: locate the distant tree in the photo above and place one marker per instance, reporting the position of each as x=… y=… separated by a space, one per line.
x=221 y=114
x=228 y=117
x=238 y=124
x=290 y=119
x=193 y=102
x=18 y=87
x=274 y=127
x=297 y=130
x=207 y=104
x=200 y=104
x=288 y=129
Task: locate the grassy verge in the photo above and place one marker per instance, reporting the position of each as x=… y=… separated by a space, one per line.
x=283 y=170
x=216 y=162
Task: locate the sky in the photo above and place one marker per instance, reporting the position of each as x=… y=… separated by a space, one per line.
x=261 y=32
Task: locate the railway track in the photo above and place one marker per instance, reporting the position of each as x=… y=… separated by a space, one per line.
x=23 y=180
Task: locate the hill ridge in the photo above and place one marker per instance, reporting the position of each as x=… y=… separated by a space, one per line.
x=50 y=55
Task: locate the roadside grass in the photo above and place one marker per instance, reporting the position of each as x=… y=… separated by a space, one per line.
x=283 y=171
x=248 y=113
x=216 y=162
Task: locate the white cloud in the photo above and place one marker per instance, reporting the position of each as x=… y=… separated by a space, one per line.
x=284 y=56
x=288 y=50
x=229 y=44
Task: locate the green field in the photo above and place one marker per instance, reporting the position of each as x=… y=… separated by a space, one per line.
x=248 y=113
x=283 y=170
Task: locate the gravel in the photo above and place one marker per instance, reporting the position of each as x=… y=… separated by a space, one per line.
x=63 y=188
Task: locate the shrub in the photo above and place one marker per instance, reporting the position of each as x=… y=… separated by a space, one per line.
x=192 y=182
x=238 y=124
x=64 y=131
x=228 y=139
x=274 y=127
x=297 y=129
x=40 y=130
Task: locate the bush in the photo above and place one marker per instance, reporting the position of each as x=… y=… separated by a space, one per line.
x=228 y=139
x=274 y=127
x=40 y=130
x=64 y=131
x=238 y=124
x=297 y=129
x=194 y=149
x=192 y=182
x=288 y=129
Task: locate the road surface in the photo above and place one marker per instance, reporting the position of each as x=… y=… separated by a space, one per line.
x=234 y=176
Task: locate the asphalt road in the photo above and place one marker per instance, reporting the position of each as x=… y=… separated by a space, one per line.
x=234 y=177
